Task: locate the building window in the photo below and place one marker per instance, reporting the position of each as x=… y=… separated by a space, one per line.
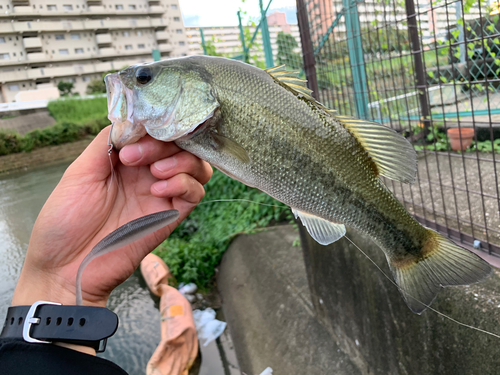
x=182 y=43
x=126 y=33
x=138 y=33
x=141 y=46
x=4 y=56
x=177 y=19
x=68 y=7
x=51 y=7
x=59 y=36
x=132 y=7
x=119 y=7
x=178 y=31
x=2 y=39
x=128 y=46
x=85 y=79
x=14 y=87
x=173 y=6
x=75 y=36
x=78 y=50
x=63 y=52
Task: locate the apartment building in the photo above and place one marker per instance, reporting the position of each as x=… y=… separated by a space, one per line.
x=43 y=42
x=226 y=39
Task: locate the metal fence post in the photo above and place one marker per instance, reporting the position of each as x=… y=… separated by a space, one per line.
x=203 y=41
x=419 y=66
x=356 y=58
x=242 y=36
x=266 y=39
x=307 y=48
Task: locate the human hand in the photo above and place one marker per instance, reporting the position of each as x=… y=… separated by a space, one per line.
x=88 y=204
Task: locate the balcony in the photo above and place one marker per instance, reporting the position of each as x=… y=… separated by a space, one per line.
x=107 y=51
x=97 y=9
x=165 y=47
x=92 y=25
x=103 y=39
x=22 y=10
x=13 y=76
x=158 y=22
x=156 y=9
x=35 y=56
x=32 y=43
x=162 y=35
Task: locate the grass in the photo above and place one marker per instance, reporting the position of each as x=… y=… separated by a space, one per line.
x=78 y=110
x=195 y=248
x=75 y=119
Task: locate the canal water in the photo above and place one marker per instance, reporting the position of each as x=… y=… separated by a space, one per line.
x=22 y=196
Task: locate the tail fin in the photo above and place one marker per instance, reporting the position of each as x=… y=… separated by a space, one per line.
x=444 y=264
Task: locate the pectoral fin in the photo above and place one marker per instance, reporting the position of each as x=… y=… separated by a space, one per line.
x=323 y=231
x=229 y=146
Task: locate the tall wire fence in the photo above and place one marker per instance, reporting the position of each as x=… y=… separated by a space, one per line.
x=426 y=68
x=429 y=70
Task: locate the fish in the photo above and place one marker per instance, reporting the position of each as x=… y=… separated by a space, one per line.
x=264 y=129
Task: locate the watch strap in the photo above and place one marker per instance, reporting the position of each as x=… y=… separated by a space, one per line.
x=46 y=322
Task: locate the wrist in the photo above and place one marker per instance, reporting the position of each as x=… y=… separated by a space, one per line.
x=78 y=348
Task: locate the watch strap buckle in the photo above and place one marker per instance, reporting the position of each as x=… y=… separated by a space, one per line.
x=31 y=319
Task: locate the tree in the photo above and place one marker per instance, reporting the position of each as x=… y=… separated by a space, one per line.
x=286 y=54
x=97 y=86
x=210 y=47
x=65 y=88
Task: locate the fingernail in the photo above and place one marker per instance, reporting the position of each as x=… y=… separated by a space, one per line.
x=166 y=164
x=131 y=153
x=161 y=186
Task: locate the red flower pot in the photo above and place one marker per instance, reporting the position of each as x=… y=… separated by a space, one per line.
x=454 y=135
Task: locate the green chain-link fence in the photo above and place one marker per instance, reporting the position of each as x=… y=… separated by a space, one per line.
x=422 y=67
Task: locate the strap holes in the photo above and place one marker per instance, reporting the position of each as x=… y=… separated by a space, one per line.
x=70 y=321
x=82 y=322
x=20 y=321
x=58 y=321
x=47 y=321
x=11 y=320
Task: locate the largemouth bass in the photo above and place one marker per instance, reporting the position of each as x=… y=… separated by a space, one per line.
x=263 y=128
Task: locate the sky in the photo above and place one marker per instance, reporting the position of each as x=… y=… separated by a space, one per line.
x=223 y=12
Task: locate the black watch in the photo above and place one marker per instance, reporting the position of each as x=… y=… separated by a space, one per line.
x=46 y=322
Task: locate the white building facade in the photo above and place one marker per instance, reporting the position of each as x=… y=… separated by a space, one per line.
x=43 y=42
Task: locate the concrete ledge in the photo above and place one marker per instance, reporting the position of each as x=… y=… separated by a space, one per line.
x=351 y=319
x=265 y=298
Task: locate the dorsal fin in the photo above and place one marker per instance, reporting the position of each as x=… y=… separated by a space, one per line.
x=393 y=155
x=290 y=79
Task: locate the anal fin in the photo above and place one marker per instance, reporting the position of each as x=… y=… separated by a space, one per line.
x=323 y=231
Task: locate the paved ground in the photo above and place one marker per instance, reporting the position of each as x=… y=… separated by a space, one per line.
x=25 y=123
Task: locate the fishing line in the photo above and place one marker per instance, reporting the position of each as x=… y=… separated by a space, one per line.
x=242 y=200
x=416 y=299
x=375 y=264
x=110 y=150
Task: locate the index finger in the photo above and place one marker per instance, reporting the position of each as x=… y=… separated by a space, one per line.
x=146 y=151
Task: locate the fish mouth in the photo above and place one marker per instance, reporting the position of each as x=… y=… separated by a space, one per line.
x=121 y=112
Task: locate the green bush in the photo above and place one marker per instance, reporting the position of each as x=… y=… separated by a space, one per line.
x=78 y=110
x=196 y=247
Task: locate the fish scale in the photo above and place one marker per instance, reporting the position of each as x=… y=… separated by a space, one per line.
x=264 y=129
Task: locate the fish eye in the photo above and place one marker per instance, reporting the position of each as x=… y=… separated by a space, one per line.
x=143 y=75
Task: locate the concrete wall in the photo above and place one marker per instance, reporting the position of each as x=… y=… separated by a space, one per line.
x=366 y=314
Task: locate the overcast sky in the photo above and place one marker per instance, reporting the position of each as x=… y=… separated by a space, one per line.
x=223 y=12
